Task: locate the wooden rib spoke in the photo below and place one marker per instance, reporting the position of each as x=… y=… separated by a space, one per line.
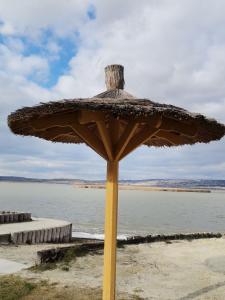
x=154 y=121
x=69 y=137
x=105 y=137
x=114 y=129
x=173 y=138
x=178 y=126
x=85 y=117
x=139 y=139
x=54 y=132
x=62 y=120
x=90 y=138
x=125 y=138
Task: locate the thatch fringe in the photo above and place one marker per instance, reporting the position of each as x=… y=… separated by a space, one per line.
x=116 y=106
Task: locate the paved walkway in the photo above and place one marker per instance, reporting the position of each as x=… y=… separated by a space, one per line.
x=36 y=224
x=10 y=267
x=36 y=231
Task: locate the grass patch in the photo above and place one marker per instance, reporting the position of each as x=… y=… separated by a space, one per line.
x=65 y=268
x=65 y=263
x=70 y=255
x=73 y=293
x=43 y=267
x=14 y=288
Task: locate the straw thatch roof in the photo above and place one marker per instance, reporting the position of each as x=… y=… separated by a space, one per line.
x=56 y=121
x=20 y=121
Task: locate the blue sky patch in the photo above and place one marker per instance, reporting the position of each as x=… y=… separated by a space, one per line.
x=60 y=65
x=91 y=12
x=1 y=39
x=66 y=49
x=58 y=61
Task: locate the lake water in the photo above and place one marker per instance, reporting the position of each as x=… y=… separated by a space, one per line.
x=140 y=212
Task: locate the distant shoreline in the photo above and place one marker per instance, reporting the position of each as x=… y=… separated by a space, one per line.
x=144 y=188
x=166 y=185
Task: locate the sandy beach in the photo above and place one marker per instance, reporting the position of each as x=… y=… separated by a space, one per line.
x=178 y=270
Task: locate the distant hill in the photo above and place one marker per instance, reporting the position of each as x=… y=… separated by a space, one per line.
x=173 y=183
x=37 y=180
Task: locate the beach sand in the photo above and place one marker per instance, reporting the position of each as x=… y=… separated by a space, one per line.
x=180 y=270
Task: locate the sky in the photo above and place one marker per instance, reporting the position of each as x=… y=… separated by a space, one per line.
x=173 y=52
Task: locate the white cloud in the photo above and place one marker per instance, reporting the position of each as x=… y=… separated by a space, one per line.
x=25 y=17
x=15 y=63
x=6 y=29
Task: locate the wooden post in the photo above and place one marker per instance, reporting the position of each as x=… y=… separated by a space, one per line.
x=111 y=211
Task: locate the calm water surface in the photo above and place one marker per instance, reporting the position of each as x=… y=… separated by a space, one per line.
x=140 y=212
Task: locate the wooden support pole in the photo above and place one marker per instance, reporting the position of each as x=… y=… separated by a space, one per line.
x=111 y=211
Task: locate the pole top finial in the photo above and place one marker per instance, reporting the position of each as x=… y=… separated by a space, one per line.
x=114 y=78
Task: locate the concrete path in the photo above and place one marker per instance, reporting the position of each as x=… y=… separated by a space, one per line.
x=36 y=224
x=10 y=267
x=39 y=230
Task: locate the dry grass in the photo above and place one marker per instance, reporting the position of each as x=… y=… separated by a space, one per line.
x=14 y=287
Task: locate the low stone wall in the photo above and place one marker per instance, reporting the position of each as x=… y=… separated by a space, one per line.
x=61 y=234
x=169 y=237
x=5 y=239
x=13 y=217
x=57 y=254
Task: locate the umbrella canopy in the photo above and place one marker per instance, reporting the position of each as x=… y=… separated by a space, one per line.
x=114 y=123
x=56 y=121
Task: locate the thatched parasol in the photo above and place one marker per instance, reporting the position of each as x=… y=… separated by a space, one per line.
x=113 y=124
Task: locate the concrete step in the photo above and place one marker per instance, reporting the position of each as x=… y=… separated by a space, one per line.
x=39 y=230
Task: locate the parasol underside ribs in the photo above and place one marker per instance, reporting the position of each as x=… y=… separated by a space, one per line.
x=114 y=130
x=85 y=117
x=174 y=139
x=46 y=122
x=63 y=135
x=69 y=121
x=106 y=140
x=54 y=132
x=169 y=124
x=139 y=139
x=125 y=138
x=90 y=139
